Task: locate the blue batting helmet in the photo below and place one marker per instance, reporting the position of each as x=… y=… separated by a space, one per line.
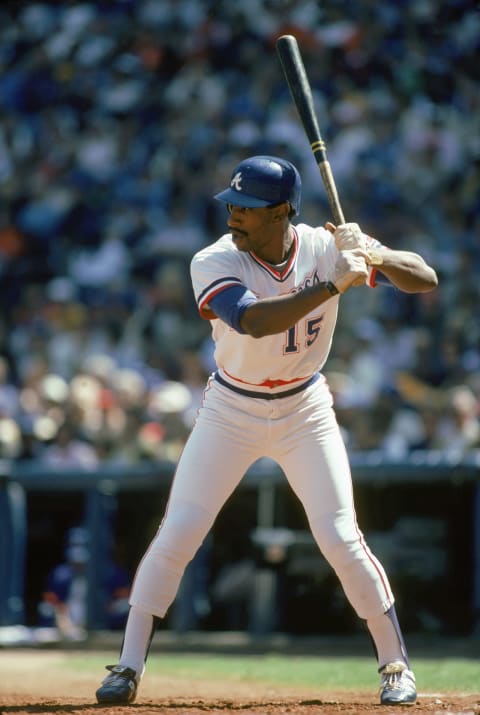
x=262 y=181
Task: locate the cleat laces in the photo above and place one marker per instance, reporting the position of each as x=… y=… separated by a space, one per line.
x=397 y=685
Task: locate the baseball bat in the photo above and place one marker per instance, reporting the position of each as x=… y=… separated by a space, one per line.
x=301 y=91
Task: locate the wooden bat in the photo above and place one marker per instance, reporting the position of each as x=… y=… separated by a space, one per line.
x=301 y=91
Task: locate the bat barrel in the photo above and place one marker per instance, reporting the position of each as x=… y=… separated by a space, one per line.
x=319 y=150
x=300 y=89
x=299 y=86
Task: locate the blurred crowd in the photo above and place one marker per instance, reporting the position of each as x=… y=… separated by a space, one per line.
x=119 y=121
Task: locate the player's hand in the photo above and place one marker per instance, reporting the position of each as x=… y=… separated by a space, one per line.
x=348 y=236
x=350 y=269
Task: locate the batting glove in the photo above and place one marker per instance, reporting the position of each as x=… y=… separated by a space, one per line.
x=350 y=270
x=349 y=236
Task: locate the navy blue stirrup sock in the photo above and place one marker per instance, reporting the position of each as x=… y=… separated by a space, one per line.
x=392 y=614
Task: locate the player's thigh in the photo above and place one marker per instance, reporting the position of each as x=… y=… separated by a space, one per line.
x=317 y=467
x=217 y=454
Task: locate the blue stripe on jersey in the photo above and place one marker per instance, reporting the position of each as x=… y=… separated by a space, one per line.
x=230 y=304
x=216 y=284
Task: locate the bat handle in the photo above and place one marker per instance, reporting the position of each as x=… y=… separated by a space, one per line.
x=329 y=183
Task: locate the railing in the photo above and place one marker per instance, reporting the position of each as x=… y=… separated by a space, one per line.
x=101 y=485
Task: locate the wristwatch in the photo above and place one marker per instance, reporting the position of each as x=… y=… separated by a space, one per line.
x=374 y=258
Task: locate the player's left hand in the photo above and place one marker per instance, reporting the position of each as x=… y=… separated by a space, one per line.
x=350 y=270
x=348 y=236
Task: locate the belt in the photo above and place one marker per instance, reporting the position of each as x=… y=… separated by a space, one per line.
x=267 y=395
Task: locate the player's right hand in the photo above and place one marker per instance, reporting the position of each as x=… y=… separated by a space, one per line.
x=349 y=236
x=350 y=269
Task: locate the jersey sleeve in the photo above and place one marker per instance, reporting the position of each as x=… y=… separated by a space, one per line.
x=230 y=304
x=374 y=276
x=212 y=272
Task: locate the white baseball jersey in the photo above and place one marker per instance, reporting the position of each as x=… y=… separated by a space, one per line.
x=276 y=360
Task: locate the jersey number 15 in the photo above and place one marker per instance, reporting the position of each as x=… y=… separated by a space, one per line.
x=312 y=329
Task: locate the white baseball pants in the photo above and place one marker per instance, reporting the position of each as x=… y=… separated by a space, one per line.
x=232 y=431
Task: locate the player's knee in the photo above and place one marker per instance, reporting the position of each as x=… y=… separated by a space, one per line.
x=182 y=531
x=337 y=539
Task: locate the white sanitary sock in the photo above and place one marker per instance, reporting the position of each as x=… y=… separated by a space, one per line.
x=386 y=640
x=138 y=634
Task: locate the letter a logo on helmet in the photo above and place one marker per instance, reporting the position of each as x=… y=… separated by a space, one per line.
x=237 y=181
x=263 y=181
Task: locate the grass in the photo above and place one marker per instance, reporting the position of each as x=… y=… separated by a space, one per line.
x=461 y=675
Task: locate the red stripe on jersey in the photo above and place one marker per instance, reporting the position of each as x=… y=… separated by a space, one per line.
x=286 y=269
x=203 y=307
x=371 y=282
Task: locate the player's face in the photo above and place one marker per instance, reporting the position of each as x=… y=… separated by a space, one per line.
x=254 y=229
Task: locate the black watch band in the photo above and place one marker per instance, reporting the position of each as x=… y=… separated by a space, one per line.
x=332 y=288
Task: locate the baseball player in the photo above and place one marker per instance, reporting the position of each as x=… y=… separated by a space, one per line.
x=271 y=290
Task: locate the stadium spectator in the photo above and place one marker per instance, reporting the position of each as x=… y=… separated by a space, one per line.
x=118 y=120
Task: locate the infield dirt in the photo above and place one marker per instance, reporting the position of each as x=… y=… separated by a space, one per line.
x=31 y=684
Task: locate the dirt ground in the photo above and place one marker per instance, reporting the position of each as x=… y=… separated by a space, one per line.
x=29 y=685
x=260 y=706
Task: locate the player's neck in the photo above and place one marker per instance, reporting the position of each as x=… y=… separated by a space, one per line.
x=279 y=251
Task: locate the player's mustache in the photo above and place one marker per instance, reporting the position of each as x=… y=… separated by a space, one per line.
x=238 y=231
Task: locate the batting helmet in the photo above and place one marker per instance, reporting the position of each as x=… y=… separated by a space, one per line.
x=263 y=181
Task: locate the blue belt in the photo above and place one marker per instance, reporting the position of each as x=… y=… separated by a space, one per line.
x=267 y=395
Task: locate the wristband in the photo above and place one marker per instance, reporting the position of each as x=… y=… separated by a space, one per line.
x=332 y=288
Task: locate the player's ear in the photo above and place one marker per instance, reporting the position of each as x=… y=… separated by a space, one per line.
x=280 y=212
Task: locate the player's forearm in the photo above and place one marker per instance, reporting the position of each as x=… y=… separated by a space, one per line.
x=270 y=316
x=408 y=271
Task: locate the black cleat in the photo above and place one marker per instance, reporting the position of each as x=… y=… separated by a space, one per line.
x=119 y=687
